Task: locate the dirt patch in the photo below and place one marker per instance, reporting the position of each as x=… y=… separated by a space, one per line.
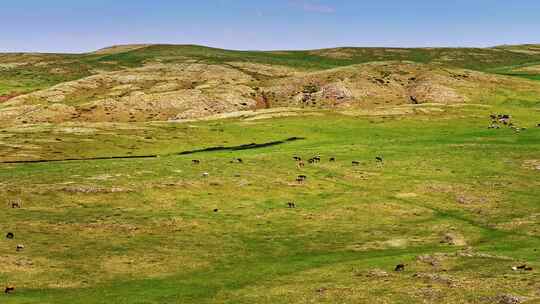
x=469 y=253
x=464 y=195
x=533 y=164
x=406 y=195
x=434 y=260
x=377 y=273
x=437 y=278
x=454 y=239
x=396 y=243
x=386 y=244
x=467 y=199
x=15 y=264
x=507 y=299
x=94 y=189
x=7 y=97
x=430 y=91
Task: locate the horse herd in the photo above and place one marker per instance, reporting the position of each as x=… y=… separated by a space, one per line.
x=498 y=120
x=317 y=159
x=299 y=163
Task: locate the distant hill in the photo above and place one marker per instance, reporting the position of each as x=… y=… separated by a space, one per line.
x=161 y=82
x=115 y=49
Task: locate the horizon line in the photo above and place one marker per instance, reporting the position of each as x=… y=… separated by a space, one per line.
x=144 y=45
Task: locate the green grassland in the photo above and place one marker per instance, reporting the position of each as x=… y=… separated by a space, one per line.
x=145 y=230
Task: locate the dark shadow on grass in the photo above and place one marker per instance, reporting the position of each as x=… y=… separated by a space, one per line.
x=76 y=159
x=242 y=147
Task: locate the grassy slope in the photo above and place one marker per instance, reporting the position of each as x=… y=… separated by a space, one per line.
x=349 y=220
x=45 y=70
x=476 y=59
x=513 y=69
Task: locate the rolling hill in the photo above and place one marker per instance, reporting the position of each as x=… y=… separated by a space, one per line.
x=177 y=82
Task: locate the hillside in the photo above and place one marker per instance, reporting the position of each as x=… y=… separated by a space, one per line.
x=168 y=82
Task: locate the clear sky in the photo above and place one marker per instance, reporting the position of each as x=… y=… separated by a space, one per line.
x=85 y=25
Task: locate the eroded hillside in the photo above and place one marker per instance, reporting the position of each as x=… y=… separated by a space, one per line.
x=155 y=83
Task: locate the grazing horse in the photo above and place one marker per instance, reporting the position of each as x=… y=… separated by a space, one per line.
x=301 y=178
x=317 y=158
x=400 y=267
x=9 y=289
x=20 y=247
x=15 y=204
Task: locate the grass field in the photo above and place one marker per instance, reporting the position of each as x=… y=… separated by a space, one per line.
x=454 y=201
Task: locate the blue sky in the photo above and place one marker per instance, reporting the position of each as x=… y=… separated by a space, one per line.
x=84 y=25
